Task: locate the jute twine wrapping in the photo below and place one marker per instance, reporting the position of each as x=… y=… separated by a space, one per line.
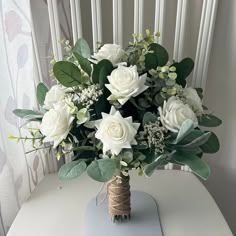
x=119 y=197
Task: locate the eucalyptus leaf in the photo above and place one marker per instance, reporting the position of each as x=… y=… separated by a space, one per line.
x=41 y=93
x=132 y=100
x=84 y=63
x=185 y=129
x=183 y=70
x=149 y=118
x=212 y=145
x=27 y=114
x=101 y=71
x=197 y=165
x=72 y=170
x=82 y=48
x=159 y=56
x=209 y=121
x=102 y=170
x=67 y=73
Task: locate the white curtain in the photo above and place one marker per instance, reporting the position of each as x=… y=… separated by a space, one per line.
x=19 y=172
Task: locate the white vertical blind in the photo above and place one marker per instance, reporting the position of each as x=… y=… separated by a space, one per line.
x=209 y=9
x=180 y=29
x=96 y=22
x=76 y=19
x=159 y=19
x=118 y=22
x=138 y=17
x=55 y=29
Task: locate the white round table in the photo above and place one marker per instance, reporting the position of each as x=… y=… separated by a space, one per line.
x=57 y=208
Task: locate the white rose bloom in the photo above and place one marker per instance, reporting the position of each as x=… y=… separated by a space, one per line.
x=174 y=113
x=55 y=94
x=56 y=125
x=125 y=82
x=116 y=132
x=111 y=52
x=193 y=100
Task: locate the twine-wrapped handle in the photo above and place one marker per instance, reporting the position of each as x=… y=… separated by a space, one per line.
x=119 y=198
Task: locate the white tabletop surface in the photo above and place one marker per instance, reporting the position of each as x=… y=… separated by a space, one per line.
x=56 y=208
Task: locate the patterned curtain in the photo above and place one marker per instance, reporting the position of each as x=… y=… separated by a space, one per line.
x=19 y=172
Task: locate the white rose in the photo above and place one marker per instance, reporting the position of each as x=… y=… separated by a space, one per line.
x=125 y=82
x=56 y=125
x=55 y=94
x=193 y=100
x=111 y=52
x=174 y=113
x=116 y=132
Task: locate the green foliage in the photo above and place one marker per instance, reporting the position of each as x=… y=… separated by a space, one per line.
x=197 y=165
x=159 y=57
x=149 y=117
x=72 y=170
x=67 y=73
x=209 y=121
x=212 y=145
x=101 y=71
x=102 y=170
x=28 y=114
x=139 y=107
x=185 y=129
x=150 y=168
x=183 y=70
x=84 y=63
x=200 y=140
x=82 y=48
x=41 y=93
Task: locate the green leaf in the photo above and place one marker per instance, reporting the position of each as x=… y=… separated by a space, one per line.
x=41 y=93
x=198 y=141
x=102 y=170
x=101 y=71
x=150 y=168
x=132 y=100
x=84 y=63
x=27 y=114
x=209 y=121
x=183 y=70
x=212 y=145
x=185 y=129
x=191 y=136
x=82 y=48
x=67 y=73
x=149 y=118
x=72 y=170
x=159 y=57
x=197 y=165
x=84 y=148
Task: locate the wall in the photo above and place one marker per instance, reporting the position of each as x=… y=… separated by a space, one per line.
x=221 y=97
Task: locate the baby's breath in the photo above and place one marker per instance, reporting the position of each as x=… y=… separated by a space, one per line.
x=155 y=135
x=90 y=95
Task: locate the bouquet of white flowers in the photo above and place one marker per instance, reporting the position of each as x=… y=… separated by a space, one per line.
x=118 y=110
